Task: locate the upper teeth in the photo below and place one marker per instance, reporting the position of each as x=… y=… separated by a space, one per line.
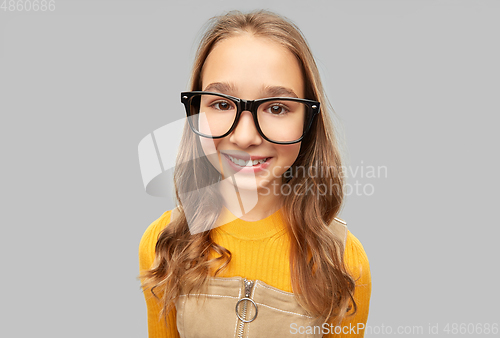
x=248 y=163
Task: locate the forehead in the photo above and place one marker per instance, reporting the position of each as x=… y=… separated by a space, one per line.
x=251 y=65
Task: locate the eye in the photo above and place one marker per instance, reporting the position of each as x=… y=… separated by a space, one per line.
x=277 y=109
x=222 y=105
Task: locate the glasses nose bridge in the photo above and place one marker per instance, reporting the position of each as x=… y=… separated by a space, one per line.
x=247 y=105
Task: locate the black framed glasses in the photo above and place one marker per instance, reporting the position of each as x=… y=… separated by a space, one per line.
x=281 y=120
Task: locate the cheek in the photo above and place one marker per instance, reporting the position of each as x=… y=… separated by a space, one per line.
x=289 y=154
x=209 y=147
x=294 y=151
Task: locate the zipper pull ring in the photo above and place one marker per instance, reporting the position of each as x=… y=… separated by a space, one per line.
x=248 y=289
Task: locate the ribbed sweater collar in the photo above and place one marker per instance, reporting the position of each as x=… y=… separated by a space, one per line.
x=249 y=230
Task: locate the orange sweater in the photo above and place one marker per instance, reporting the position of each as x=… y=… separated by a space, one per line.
x=260 y=250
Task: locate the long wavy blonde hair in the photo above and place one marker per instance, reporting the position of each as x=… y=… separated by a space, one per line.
x=320 y=280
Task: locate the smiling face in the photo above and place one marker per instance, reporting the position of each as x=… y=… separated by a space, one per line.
x=250 y=67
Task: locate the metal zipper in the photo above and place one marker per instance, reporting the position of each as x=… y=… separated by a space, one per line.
x=243 y=317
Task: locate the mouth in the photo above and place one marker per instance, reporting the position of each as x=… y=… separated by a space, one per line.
x=247 y=163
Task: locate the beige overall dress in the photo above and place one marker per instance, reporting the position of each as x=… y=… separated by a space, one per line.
x=241 y=308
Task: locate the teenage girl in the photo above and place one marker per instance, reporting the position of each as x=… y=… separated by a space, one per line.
x=254 y=248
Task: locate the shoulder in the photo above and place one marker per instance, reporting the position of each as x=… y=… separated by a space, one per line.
x=356 y=259
x=149 y=238
x=154 y=229
x=339 y=229
x=355 y=256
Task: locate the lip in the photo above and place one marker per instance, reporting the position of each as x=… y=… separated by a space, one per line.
x=244 y=156
x=252 y=169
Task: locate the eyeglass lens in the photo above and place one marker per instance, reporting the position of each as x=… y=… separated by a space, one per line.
x=280 y=120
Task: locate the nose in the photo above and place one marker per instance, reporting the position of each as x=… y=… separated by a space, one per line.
x=245 y=134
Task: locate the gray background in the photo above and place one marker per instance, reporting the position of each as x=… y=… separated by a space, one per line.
x=415 y=87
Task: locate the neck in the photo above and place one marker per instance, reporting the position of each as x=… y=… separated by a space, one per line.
x=249 y=205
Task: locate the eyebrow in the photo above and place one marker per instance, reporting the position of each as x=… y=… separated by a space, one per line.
x=279 y=91
x=221 y=87
x=268 y=91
